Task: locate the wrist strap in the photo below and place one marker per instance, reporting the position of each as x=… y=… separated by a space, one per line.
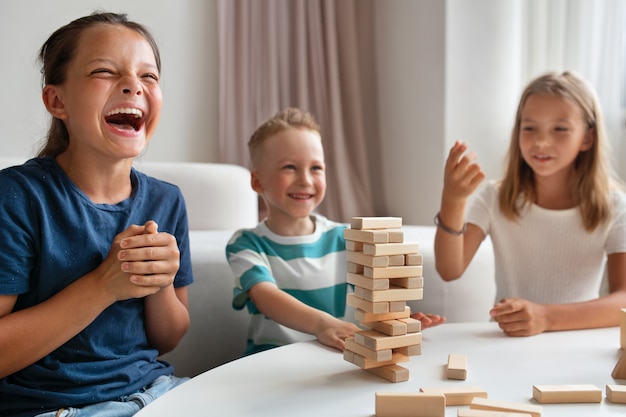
x=446 y=229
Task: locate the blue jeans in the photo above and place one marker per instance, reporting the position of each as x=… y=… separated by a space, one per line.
x=122 y=407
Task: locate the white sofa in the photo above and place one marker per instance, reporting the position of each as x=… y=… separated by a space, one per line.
x=219 y=201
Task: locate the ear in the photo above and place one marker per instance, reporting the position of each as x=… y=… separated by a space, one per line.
x=255 y=182
x=53 y=102
x=590 y=137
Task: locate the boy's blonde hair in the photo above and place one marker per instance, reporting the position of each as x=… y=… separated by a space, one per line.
x=592 y=177
x=287 y=119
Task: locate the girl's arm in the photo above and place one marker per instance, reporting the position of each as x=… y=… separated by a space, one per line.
x=30 y=334
x=454 y=249
x=291 y=312
x=519 y=317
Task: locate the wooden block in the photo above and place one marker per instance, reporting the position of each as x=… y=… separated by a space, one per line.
x=365 y=363
x=367 y=260
x=413 y=350
x=367 y=306
x=412 y=282
x=377 y=341
x=354 y=268
x=393 y=272
x=397 y=306
x=457 y=395
x=376 y=223
x=396 y=260
x=409 y=404
x=377 y=355
x=468 y=412
x=402 y=248
x=622 y=328
x=496 y=405
x=457 y=366
x=365 y=317
x=389 y=327
x=616 y=393
x=392 y=373
x=619 y=372
x=414 y=259
x=362 y=281
x=412 y=325
x=394 y=236
x=354 y=246
x=367 y=236
x=553 y=394
x=392 y=294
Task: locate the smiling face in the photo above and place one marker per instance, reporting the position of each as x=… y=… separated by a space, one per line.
x=111 y=99
x=552 y=134
x=290 y=175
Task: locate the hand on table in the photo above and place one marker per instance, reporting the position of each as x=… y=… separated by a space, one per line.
x=336 y=334
x=428 y=320
x=518 y=317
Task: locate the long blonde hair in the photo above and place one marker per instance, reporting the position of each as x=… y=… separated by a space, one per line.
x=593 y=176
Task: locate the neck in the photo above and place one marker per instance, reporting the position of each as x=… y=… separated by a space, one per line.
x=290 y=227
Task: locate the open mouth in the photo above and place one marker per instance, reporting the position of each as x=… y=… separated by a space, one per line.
x=125 y=118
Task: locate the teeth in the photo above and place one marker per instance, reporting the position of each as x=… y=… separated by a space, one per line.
x=125 y=110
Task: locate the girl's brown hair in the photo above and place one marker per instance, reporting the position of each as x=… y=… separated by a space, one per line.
x=593 y=176
x=57 y=53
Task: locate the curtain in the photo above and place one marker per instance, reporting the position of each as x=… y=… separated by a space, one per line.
x=588 y=37
x=309 y=54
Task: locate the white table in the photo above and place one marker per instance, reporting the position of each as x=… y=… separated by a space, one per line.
x=308 y=379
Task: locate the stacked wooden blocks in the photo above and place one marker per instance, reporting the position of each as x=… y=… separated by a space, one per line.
x=386 y=273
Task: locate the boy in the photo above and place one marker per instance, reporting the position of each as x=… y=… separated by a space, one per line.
x=290 y=269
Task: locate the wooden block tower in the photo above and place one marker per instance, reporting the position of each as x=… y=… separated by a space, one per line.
x=386 y=272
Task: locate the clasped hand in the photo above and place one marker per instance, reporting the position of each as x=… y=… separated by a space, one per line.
x=140 y=262
x=519 y=317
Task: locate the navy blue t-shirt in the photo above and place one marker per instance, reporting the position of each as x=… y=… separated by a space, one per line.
x=50 y=235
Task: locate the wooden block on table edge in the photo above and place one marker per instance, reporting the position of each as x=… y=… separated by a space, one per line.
x=363 y=316
x=457 y=366
x=616 y=393
x=399 y=404
x=392 y=373
x=377 y=341
x=497 y=405
x=377 y=355
x=361 y=223
x=457 y=395
x=401 y=248
x=468 y=412
x=555 y=394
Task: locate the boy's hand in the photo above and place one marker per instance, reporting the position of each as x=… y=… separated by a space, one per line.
x=518 y=317
x=336 y=332
x=462 y=174
x=428 y=320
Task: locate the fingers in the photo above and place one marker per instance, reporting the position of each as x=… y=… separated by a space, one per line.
x=462 y=173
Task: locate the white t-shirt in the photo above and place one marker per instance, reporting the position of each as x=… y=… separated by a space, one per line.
x=547 y=256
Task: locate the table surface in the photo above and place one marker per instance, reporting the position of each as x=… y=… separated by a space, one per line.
x=308 y=379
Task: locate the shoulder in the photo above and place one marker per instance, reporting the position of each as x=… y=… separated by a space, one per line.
x=31 y=177
x=155 y=184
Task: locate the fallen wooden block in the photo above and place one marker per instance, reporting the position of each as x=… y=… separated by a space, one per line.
x=392 y=373
x=496 y=405
x=553 y=394
x=394 y=404
x=619 y=372
x=457 y=366
x=616 y=393
x=457 y=395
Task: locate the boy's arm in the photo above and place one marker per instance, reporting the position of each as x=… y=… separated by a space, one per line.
x=291 y=312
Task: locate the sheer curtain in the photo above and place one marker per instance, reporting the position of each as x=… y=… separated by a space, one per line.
x=586 y=36
x=308 y=54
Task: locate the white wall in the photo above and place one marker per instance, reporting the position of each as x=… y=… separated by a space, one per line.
x=447 y=70
x=187 y=35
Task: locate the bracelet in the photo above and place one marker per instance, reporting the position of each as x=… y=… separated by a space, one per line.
x=446 y=229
